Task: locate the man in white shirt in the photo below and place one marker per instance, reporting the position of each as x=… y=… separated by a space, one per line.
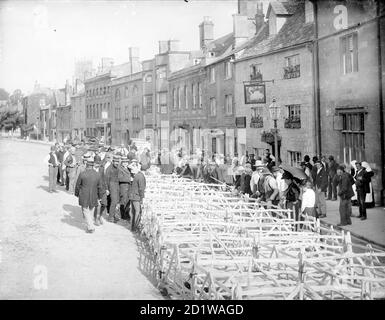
x=282 y=185
x=123 y=150
x=52 y=162
x=308 y=200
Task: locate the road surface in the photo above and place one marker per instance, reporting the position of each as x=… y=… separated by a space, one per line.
x=45 y=252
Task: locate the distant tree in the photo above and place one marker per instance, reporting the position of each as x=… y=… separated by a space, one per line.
x=4 y=95
x=11 y=120
x=16 y=96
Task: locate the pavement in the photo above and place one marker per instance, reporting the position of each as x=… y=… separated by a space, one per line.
x=372 y=229
x=45 y=252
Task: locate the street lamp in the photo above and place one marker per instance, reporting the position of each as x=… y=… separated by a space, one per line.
x=275 y=111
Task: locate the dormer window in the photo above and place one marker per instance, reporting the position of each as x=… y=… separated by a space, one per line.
x=255 y=72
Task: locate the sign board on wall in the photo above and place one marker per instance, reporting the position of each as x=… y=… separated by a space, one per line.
x=255 y=93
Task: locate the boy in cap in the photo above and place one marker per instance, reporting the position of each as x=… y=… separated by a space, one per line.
x=89 y=189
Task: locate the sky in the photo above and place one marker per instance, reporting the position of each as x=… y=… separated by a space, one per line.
x=40 y=40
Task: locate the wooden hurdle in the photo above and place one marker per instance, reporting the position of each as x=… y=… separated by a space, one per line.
x=204 y=243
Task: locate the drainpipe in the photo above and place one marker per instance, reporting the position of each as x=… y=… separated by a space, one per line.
x=316 y=99
x=381 y=104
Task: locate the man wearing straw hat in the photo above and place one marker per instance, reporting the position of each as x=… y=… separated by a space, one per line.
x=89 y=189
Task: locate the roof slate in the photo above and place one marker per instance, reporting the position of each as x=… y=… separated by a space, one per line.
x=294 y=31
x=220 y=45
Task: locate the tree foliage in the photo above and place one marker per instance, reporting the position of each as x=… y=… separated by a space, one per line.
x=4 y=95
x=11 y=120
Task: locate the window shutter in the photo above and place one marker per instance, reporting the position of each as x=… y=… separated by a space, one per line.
x=342 y=54
x=355 y=52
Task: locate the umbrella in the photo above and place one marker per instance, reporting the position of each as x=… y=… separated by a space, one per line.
x=295 y=172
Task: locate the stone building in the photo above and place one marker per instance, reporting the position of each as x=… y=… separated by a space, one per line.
x=156 y=102
x=126 y=101
x=188 y=117
x=99 y=110
x=278 y=63
x=37 y=112
x=127 y=105
x=78 y=107
x=350 y=85
x=208 y=79
x=98 y=100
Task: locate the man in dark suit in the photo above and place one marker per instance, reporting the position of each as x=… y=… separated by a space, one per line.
x=52 y=162
x=321 y=185
x=112 y=186
x=59 y=155
x=345 y=192
x=89 y=189
x=136 y=194
x=125 y=179
x=332 y=185
x=362 y=187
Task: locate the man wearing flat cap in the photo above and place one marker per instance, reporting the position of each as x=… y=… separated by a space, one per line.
x=112 y=188
x=89 y=189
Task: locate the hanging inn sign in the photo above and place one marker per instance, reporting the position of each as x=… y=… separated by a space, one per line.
x=255 y=93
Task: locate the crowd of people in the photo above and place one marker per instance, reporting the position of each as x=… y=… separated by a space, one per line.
x=264 y=179
x=108 y=181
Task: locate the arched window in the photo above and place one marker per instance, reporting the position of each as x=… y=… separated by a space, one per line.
x=126 y=92
x=135 y=91
x=148 y=77
x=117 y=94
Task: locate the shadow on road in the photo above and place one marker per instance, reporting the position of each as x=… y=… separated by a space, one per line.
x=46 y=189
x=74 y=216
x=45 y=178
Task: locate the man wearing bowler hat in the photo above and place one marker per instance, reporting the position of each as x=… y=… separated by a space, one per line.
x=52 y=162
x=89 y=189
x=125 y=179
x=112 y=188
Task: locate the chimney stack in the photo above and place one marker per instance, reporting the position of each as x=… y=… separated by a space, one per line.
x=173 y=45
x=240 y=29
x=259 y=17
x=163 y=47
x=248 y=7
x=206 y=32
x=135 y=65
